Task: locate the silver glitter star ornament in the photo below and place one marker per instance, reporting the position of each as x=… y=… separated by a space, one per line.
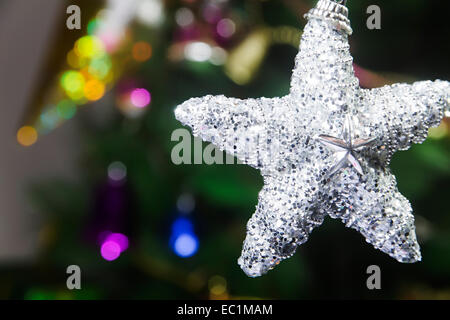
x=308 y=172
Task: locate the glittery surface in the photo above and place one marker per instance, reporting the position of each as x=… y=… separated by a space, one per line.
x=281 y=138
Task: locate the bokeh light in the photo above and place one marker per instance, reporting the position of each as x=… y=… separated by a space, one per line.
x=27 y=136
x=217 y=285
x=75 y=61
x=49 y=118
x=186 y=203
x=92 y=26
x=150 y=12
x=66 y=109
x=182 y=225
x=117 y=171
x=226 y=28
x=218 y=56
x=186 y=245
x=140 y=98
x=73 y=84
x=100 y=67
x=89 y=47
x=245 y=59
x=142 y=51
x=110 y=250
x=184 y=17
x=120 y=239
x=94 y=90
x=198 y=51
x=212 y=12
x=438 y=132
x=183 y=240
x=112 y=239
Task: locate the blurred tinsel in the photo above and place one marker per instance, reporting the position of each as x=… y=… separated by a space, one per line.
x=140 y=226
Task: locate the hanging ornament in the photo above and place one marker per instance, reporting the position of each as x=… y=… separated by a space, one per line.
x=324 y=149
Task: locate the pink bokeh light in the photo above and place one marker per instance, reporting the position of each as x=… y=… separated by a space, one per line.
x=120 y=239
x=110 y=250
x=140 y=97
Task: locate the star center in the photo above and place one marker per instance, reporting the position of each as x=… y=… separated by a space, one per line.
x=345 y=147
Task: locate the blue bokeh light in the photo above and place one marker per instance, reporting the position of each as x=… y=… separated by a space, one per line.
x=183 y=240
x=185 y=245
x=182 y=225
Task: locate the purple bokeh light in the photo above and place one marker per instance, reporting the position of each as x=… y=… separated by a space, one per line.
x=110 y=250
x=120 y=239
x=140 y=98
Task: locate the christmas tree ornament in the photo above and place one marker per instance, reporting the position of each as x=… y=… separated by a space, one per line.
x=324 y=149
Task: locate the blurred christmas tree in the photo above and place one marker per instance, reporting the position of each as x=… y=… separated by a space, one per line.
x=140 y=226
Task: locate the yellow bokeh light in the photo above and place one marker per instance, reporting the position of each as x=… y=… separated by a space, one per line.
x=217 y=285
x=75 y=61
x=86 y=74
x=94 y=90
x=73 y=84
x=72 y=81
x=438 y=132
x=27 y=136
x=244 y=60
x=89 y=47
x=76 y=96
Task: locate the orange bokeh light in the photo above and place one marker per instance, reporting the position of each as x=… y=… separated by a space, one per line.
x=27 y=136
x=94 y=90
x=142 y=51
